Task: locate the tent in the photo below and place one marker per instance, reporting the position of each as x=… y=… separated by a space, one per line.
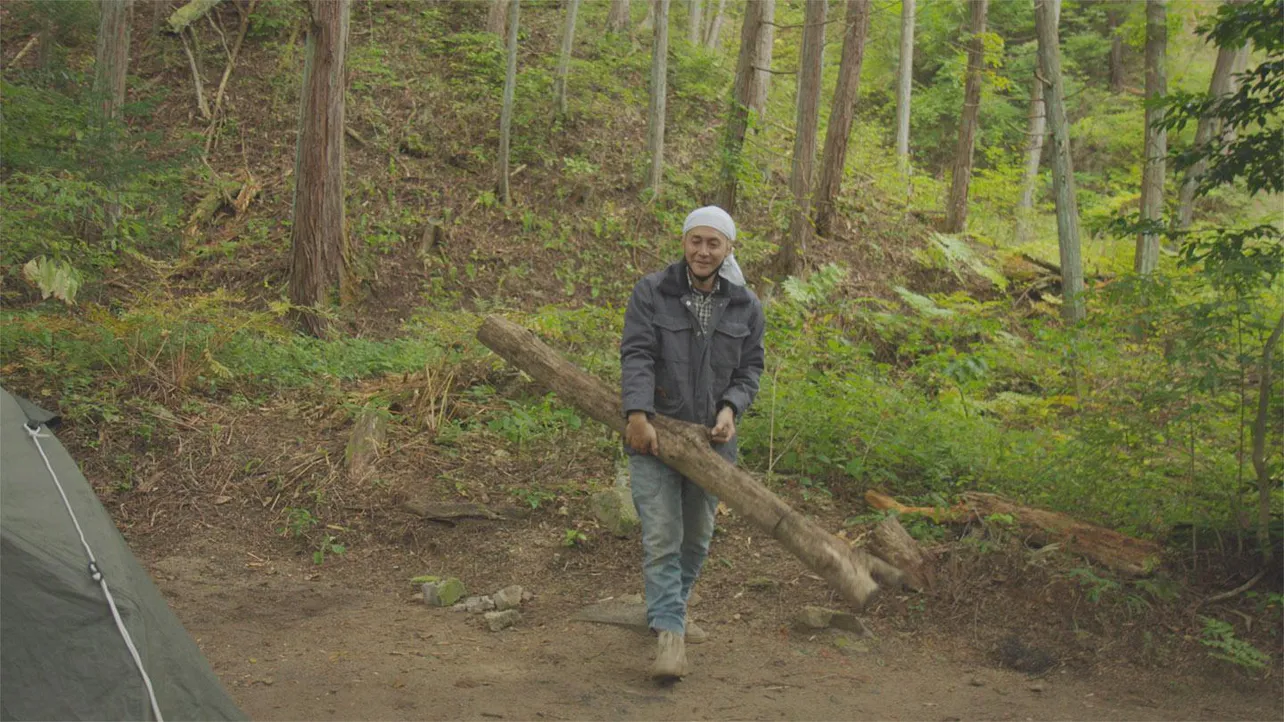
x=82 y=639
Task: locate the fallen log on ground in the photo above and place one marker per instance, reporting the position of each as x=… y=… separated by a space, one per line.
x=1120 y=552
x=889 y=540
x=449 y=513
x=686 y=448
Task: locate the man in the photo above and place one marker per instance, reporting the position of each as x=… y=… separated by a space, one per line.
x=692 y=350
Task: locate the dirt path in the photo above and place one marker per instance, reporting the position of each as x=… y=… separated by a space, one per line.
x=292 y=648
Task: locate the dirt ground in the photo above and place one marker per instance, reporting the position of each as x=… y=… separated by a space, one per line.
x=346 y=641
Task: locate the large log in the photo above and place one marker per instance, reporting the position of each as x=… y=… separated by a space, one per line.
x=686 y=448
x=1120 y=552
x=889 y=540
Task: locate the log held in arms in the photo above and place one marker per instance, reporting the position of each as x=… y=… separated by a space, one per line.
x=686 y=448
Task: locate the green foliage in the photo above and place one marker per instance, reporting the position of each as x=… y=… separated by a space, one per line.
x=1220 y=637
x=574 y=538
x=1094 y=587
x=53 y=278
x=526 y=423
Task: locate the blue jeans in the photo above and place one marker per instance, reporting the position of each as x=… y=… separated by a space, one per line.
x=677 y=524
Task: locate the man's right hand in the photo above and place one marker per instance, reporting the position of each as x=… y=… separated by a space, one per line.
x=640 y=434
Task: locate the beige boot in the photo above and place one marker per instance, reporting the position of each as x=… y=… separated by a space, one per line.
x=670 y=657
x=695 y=635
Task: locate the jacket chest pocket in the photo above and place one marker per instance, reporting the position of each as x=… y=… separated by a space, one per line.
x=728 y=342
x=674 y=336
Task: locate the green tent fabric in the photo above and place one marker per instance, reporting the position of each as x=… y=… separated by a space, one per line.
x=62 y=656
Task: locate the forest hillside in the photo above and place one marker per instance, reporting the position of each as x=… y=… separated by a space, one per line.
x=248 y=245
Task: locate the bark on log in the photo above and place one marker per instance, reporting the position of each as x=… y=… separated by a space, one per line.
x=1120 y=552
x=890 y=541
x=685 y=447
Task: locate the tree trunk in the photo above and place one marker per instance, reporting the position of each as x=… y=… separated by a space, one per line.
x=659 y=87
x=685 y=447
x=617 y=19
x=1156 y=149
x=1116 y=51
x=648 y=22
x=713 y=34
x=1221 y=84
x=1038 y=129
x=318 y=237
x=1264 y=485
x=1108 y=547
x=695 y=20
x=805 y=129
x=956 y=211
x=506 y=112
x=761 y=85
x=1062 y=167
x=564 y=62
x=904 y=86
x=741 y=99
x=111 y=61
x=497 y=17
x=834 y=158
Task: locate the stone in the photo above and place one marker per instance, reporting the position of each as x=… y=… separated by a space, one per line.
x=508 y=598
x=477 y=605
x=444 y=593
x=851 y=647
x=850 y=623
x=527 y=595
x=812 y=618
x=502 y=620
x=614 y=510
x=620 y=612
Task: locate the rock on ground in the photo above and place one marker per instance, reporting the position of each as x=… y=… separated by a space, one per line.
x=444 y=593
x=508 y=598
x=502 y=620
x=614 y=510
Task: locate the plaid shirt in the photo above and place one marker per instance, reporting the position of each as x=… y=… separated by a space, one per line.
x=703 y=301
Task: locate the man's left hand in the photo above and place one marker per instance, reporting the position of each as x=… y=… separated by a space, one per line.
x=725 y=428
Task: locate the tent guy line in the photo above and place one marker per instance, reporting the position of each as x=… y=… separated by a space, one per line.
x=33 y=431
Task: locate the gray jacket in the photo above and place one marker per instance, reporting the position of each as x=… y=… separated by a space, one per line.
x=669 y=366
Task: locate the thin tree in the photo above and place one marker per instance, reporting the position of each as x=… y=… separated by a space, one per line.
x=1114 y=18
x=904 y=84
x=497 y=17
x=617 y=18
x=806 y=126
x=761 y=85
x=1156 y=147
x=111 y=61
x=506 y=112
x=742 y=91
x=1062 y=167
x=1037 y=130
x=712 y=34
x=695 y=20
x=1222 y=84
x=659 y=87
x=834 y=158
x=319 y=259
x=564 y=62
x=956 y=210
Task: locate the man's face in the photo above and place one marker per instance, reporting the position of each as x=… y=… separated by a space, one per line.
x=705 y=249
